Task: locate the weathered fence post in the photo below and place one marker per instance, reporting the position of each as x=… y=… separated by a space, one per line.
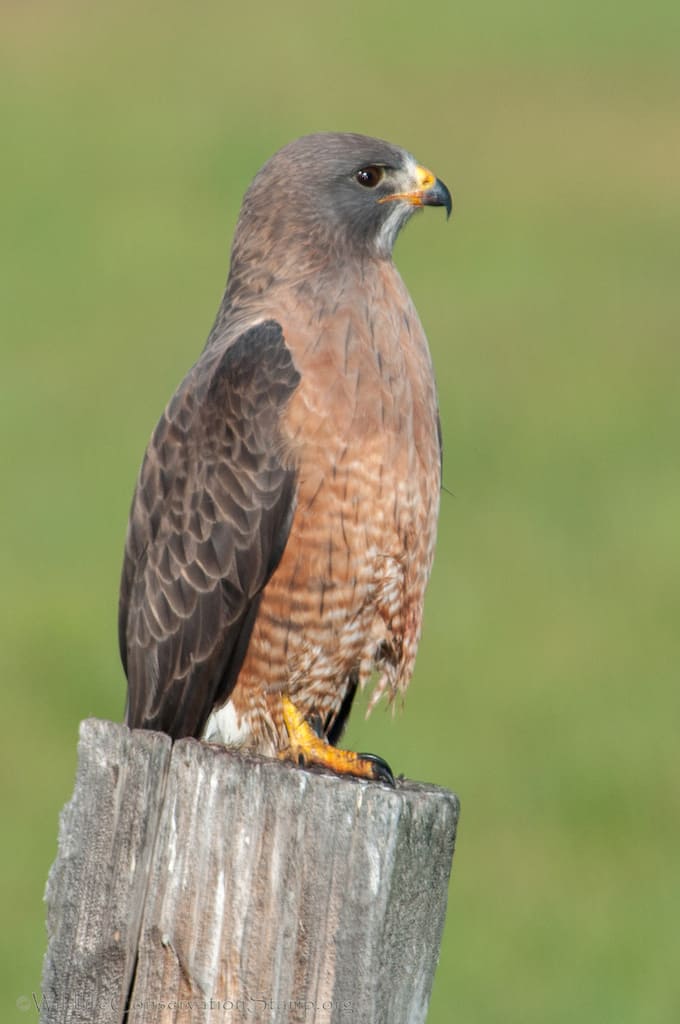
x=193 y=884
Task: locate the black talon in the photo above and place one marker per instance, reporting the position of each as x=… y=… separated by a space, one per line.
x=315 y=723
x=381 y=770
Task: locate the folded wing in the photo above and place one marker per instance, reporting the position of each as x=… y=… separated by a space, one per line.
x=209 y=522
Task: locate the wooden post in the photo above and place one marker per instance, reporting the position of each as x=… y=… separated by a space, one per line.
x=195 y=884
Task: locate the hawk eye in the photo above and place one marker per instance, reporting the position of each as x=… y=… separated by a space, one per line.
x=371 y=176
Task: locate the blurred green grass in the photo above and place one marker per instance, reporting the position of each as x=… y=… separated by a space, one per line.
x=546 y=692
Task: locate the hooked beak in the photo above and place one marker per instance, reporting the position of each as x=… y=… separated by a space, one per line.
x=428 y=191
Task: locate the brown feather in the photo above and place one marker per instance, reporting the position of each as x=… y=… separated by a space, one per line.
x=206 y=531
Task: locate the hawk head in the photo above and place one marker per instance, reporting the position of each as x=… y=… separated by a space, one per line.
x=335 y=193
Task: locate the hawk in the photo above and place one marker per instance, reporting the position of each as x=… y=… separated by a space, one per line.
x=283 y=525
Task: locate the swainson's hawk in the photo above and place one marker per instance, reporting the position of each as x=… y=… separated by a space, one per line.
x=283 y=527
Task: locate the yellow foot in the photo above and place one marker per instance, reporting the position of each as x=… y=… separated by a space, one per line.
x=306 y=748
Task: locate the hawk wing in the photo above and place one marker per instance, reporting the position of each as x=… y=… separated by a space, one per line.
x=209 y=521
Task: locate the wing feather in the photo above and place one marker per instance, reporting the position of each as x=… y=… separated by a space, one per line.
x=209 y=522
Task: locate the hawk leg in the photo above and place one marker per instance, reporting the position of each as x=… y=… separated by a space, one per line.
x=307 y=748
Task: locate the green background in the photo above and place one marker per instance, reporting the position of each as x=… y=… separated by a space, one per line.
x=546 y=692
